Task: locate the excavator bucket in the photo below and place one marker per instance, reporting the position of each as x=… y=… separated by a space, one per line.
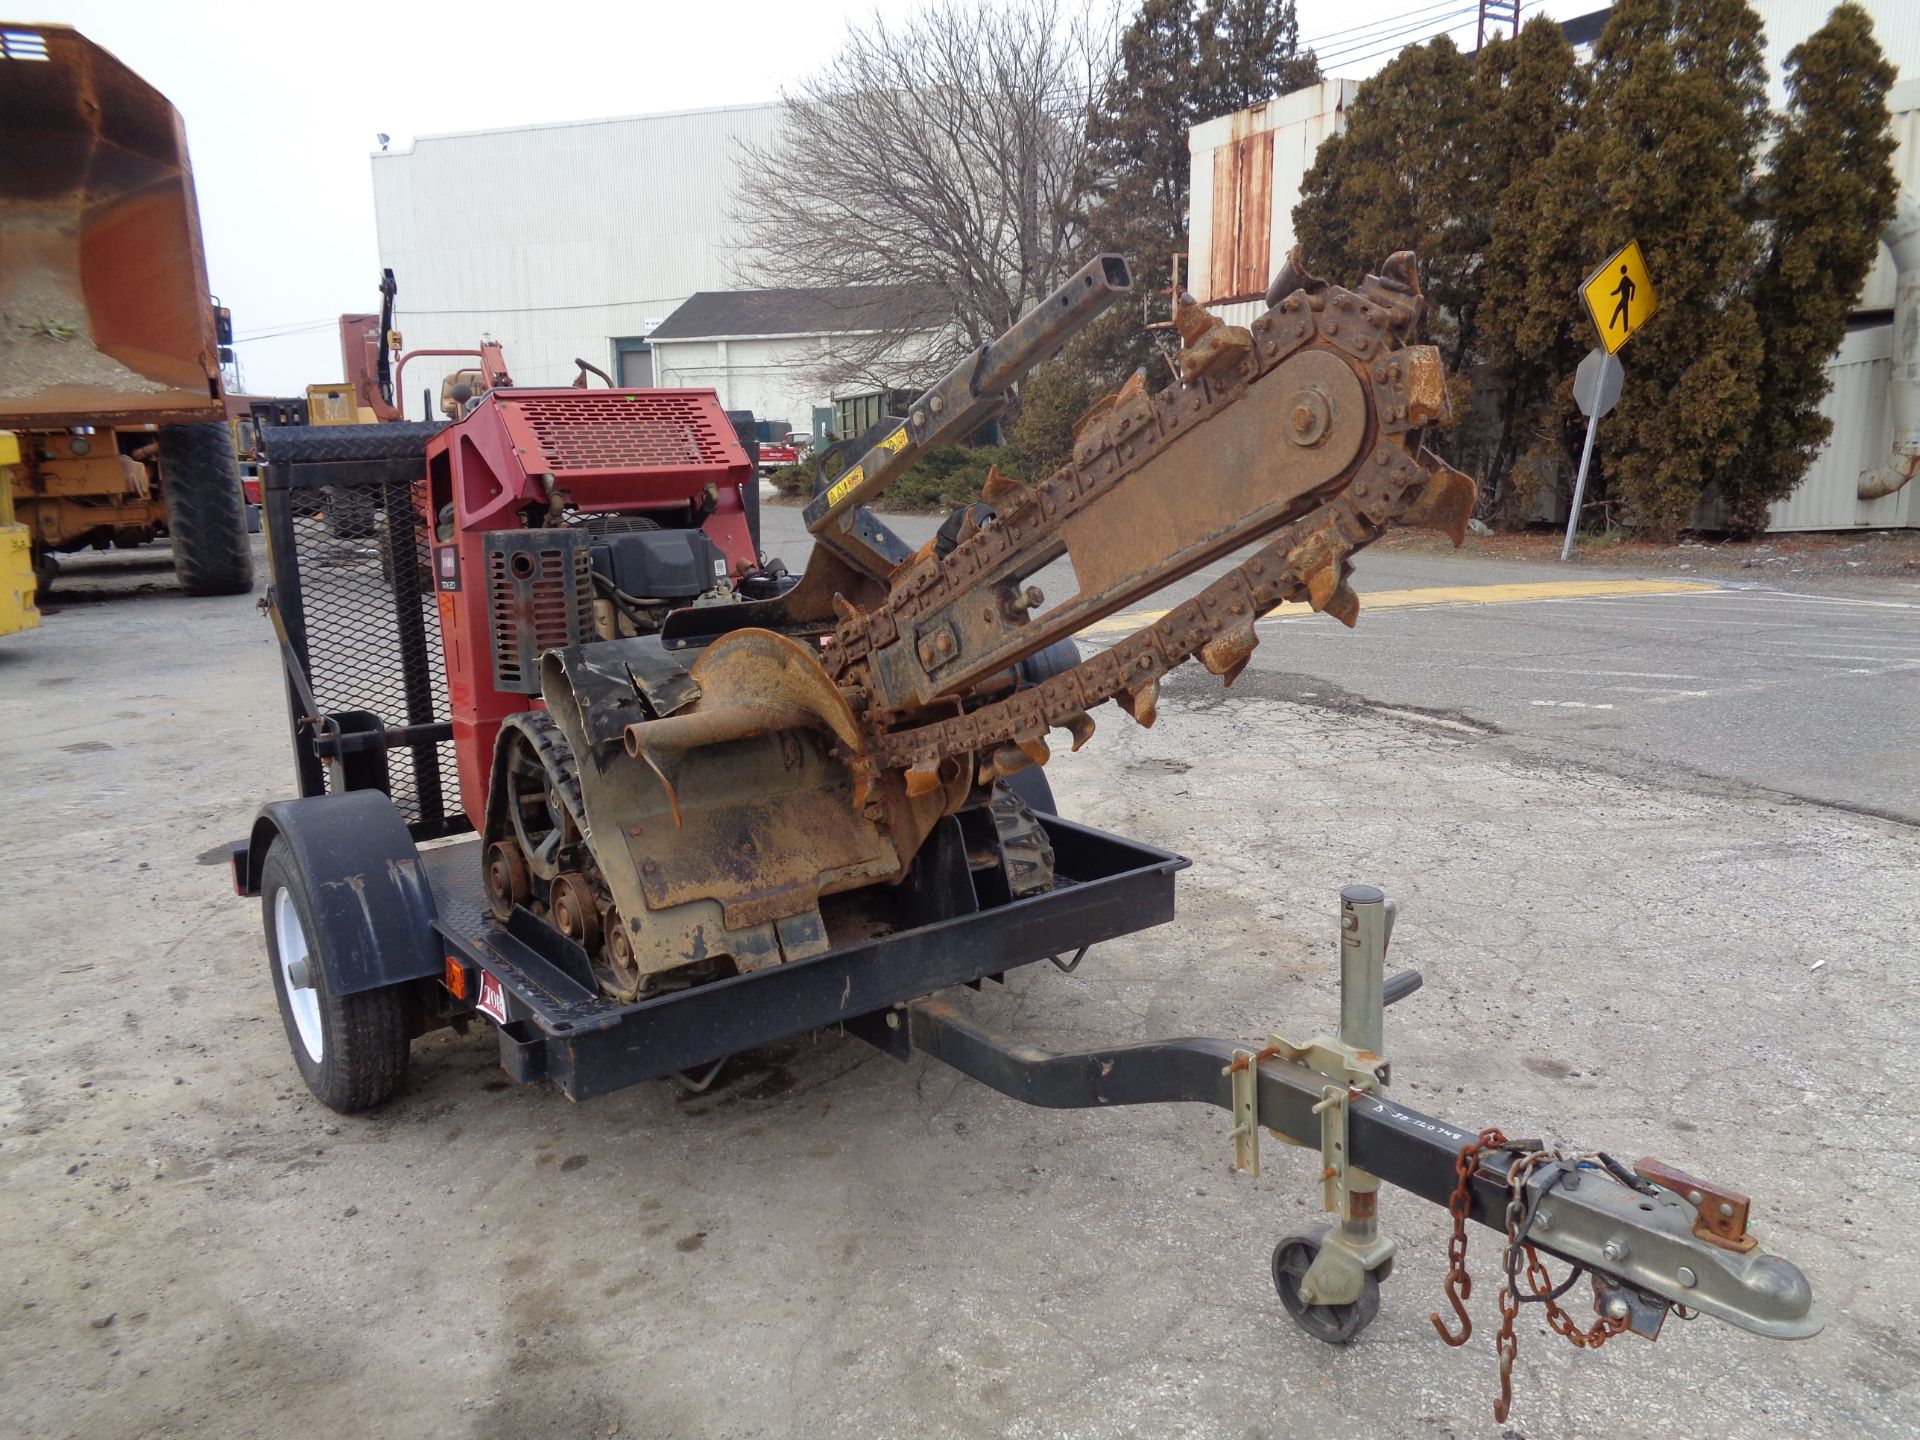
x=104 y=310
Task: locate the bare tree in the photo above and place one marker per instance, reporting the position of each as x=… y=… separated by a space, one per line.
x=934 y=173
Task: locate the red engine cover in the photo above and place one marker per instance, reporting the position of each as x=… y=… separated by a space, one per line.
x=641 y=452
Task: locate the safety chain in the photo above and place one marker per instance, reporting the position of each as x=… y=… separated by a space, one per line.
x=1519 y=1222
x=1460 y=1205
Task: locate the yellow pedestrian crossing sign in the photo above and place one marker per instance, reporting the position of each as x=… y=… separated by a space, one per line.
x=1620 y=296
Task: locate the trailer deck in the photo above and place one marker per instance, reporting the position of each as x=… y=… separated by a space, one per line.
x=555 y=1025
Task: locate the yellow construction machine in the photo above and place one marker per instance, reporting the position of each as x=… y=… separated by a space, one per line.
x=110 y=345
x=17 y=609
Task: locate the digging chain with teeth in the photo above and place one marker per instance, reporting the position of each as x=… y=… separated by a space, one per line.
x=1306 y=559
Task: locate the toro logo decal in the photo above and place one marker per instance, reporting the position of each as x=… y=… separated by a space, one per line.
x=493 y=1000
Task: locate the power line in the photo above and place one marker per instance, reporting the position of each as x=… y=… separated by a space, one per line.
x=1386 y=22
x=307 y=329
x=529 y=309
x=277 y=326
x=1385 y=43
x=1398 y=46
x=307 y=326
x=1447 y=19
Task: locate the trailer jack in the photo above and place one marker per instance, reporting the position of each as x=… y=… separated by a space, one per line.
x=1652 y=1238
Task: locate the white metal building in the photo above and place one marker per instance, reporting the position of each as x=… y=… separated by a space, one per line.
x=1247 y=170
x=561 y=241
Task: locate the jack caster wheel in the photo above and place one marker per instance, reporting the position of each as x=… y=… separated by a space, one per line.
x=1331 y=1324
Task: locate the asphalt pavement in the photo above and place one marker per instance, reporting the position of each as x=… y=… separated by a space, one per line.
x=1801 y=693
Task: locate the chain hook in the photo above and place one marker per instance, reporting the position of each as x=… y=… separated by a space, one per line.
x=1460 y=1205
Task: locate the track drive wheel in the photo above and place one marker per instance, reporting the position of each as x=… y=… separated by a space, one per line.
x=1331 y=1324
x=351 y=1049
x=507 y=881
x=540 y=841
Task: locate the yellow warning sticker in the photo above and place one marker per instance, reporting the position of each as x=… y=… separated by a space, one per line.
x=847 y=483
x=843 y=487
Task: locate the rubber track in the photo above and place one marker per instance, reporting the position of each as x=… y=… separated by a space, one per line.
x=556 y=758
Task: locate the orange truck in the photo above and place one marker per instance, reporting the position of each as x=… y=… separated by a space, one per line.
x=110 y=344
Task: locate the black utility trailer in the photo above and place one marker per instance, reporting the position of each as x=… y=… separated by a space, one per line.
x=375 y=871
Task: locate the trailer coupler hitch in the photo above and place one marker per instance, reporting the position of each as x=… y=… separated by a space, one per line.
x=1651 y=1237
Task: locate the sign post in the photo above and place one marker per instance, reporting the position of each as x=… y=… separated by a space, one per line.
x=1622 y=292
x=1596 y=388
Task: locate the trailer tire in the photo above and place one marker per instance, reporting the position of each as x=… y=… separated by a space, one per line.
x=206 y=511
x=351 y=1049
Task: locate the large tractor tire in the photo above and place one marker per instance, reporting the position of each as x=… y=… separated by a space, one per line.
x=206 y=511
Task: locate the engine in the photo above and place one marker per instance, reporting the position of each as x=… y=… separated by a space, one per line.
x=562 y=516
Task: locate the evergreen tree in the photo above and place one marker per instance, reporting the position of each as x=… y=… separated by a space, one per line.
x=1665 y=152
x=1138 y=135
x=1827 y=192
x=1180 y=62
x=1249 y=51
x=1405 y=175
x=1531 y=89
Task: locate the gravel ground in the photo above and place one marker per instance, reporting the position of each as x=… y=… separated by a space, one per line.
x=830 y=1244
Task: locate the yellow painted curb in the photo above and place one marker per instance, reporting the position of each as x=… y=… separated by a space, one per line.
x=1447 y=595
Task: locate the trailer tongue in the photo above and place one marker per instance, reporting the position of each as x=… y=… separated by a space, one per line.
x=798 y=804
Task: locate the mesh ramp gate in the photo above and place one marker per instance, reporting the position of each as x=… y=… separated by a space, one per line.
x=353 y=591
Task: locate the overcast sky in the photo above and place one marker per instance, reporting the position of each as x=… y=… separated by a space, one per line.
x=283 y=101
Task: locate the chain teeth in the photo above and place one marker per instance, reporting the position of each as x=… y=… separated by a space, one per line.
x=1142 y=703
x=1445 y=502
x=1343 y=605
x=923 y=779
x=1227 y=655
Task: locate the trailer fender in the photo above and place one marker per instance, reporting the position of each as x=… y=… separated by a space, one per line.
x=371 y=901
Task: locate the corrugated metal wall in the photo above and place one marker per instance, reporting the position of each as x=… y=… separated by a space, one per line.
x=1828 y=499
x=555 y=239
x=1237 y=263
x=1245 y=172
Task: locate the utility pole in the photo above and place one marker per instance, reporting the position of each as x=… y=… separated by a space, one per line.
x=1494 y=13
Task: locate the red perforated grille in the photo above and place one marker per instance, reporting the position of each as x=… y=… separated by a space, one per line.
x=615 y=430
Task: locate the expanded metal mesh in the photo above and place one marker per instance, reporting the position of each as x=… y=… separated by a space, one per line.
x=373 y=629
x=612 y=430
